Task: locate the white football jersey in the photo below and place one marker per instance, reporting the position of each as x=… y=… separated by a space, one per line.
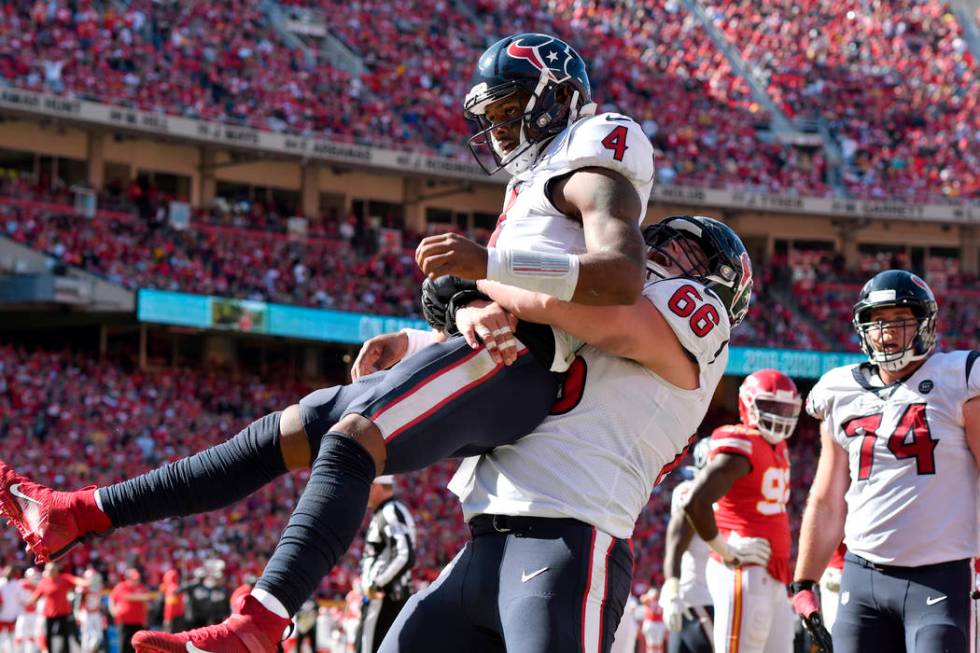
x=617 y=428
x=913 y=494
x=693 y=583
x=13 y=598
x=530 y=221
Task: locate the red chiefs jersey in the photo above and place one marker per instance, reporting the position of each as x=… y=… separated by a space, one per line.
x=837 y=562
x=653 y=612
x=755 y=506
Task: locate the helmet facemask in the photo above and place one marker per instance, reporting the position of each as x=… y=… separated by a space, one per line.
x=696 y=259
x=917 y=332
x=774 y=418
x=545 y=115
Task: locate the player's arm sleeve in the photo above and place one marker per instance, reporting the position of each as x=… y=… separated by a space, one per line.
x=818 y=401
x=398 y=532
x=731 y=442
x=973 y=374
x=614 y=142
x=695 y=315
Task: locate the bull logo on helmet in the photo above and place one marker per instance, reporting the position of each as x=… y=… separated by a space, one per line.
x=552 y=61
x=746 y=272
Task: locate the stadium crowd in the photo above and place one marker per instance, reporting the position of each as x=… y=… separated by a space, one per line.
x=895 y=82
x=345 y=269
x=803 y=301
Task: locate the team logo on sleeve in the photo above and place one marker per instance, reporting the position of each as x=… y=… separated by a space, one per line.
x=926 y=386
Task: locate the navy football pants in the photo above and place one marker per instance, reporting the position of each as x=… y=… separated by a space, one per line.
x=558 y=588
x=914 y=609
x=447 y=400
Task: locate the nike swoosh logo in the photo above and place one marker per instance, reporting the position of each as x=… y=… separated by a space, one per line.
x=526 y=576
x=15 y=490
x=934 y=601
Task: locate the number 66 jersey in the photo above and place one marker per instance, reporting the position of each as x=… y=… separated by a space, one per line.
x=913 y=494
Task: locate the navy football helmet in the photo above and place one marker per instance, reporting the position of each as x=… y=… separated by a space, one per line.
x=897 y=288
x=724 y=268
x=554 y=77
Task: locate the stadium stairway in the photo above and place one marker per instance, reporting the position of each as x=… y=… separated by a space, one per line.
x=781 y=125
x=29 y=278
x=316 y=26
x=965 y=10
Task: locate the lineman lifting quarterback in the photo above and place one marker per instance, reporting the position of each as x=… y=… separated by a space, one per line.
x=897 y=478
x=570 y=230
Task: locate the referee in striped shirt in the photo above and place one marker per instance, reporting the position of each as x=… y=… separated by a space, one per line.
x=386 y=566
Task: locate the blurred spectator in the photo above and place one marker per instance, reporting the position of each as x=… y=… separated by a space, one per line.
x=173 y=602
x=128 y=606
x=59 y=619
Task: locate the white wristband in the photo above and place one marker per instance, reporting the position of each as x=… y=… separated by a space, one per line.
x=551 y=274
x=418 y=339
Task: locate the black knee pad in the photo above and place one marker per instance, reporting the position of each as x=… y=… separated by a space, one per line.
x=947 y=638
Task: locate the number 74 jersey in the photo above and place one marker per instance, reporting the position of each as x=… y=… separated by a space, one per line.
x=912 y=500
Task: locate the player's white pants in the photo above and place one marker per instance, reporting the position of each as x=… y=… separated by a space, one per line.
x=7 y=637
x=25 y=633
x=90 y=623
x=752 y=611
x=655 y=635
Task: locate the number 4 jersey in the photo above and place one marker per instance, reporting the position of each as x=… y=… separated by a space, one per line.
x=913 y=494
x=755 y=505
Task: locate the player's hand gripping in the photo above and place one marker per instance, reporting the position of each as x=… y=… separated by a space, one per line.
x=672 y=605
x=742 y=550
x=486 y=322
x=453 y=254
x=806 y=603
x=379 y=353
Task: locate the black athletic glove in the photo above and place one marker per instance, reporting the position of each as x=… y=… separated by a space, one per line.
x=458 y=301
x=436 y=295
x=806 y=603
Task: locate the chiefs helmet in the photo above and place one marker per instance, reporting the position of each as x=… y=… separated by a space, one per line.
x=769 y=402
x=897 y=288
x=555 y=77
x=725 y=268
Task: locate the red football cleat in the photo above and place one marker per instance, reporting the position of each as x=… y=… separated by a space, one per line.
x=51 y=522
x=255 y=630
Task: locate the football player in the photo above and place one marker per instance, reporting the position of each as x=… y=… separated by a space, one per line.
x=747 y=476
x=570 y=230
x=28 y=629
x=684 y=597
x=549 y=566
x=897 y=478
x=91 y=618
